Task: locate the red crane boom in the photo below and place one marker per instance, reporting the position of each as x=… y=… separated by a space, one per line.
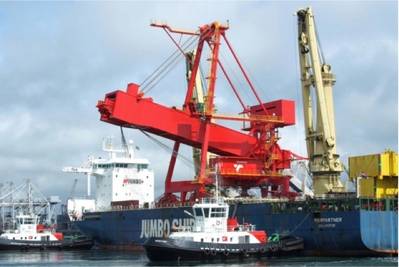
x=244 y=159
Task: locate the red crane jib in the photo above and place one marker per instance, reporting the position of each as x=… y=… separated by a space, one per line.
x=131 y=109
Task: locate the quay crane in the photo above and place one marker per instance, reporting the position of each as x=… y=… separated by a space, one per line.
x=324 y=162
x=245 y=159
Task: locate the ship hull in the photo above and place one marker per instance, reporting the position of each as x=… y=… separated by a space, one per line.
x=161 y=250
x=325 y=232
x=24 y=245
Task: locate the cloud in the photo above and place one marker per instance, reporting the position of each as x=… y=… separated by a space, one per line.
x=58 y=59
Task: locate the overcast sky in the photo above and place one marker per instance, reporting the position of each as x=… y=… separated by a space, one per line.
x=58 y=59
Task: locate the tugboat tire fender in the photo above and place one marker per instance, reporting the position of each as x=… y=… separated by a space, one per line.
x=274 y=248
x=226 y=252
x=213 y=252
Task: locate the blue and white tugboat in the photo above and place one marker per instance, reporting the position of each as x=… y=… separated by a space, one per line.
x=216 y=237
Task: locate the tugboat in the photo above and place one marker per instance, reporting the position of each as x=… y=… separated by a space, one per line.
x=29 y=234
x=214 y=236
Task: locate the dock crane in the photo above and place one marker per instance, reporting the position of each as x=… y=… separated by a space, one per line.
x=199 y=99
x=324 y=162
x=247 y=159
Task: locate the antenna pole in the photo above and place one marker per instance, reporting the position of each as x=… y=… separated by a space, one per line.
x=88 y=184
x=29 y=197
x=217 y=182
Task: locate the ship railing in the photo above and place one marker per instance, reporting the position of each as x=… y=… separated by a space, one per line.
x=315 y=205
x=379 y=204
x=233 y=200
x=211 y=200
x=174 y=205
x=155 y=205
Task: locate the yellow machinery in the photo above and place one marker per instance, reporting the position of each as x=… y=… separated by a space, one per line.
x=376 y=175
x=198 y=98
x=318 y=108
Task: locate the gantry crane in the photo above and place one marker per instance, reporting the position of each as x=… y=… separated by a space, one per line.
x=324 y=162
x=246 y=159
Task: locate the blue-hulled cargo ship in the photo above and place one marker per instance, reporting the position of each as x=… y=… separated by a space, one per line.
x=119 y=217
x=335 y=227
x=332 y=222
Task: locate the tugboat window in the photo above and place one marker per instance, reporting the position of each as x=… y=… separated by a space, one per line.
x=218 y=212
x=198 y=212
x=206 y=212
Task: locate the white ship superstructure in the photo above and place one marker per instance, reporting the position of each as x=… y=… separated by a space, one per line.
x=120 y=180
x=27 y=230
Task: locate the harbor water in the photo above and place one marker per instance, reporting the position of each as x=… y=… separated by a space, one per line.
x=127 y=258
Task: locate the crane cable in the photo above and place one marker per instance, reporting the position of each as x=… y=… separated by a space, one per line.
x=147 y=79
x=157 y=77
x=321 y=54
x=166 y=66
x=188 y=162
x=163 y=68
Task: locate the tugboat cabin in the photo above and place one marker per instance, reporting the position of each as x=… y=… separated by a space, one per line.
x=212 y=225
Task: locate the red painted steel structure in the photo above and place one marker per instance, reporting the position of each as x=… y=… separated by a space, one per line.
x=244 y=159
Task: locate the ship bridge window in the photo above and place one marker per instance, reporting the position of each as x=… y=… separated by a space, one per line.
x=198 y=212
x=121 y=165
x=28 y=221
x=206 y=212
x=218 y=212
x=142 y=167
x=103 y=166
x=132 y=166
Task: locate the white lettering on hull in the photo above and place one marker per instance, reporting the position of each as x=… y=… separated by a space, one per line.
x=327 y=222
x=162 y=228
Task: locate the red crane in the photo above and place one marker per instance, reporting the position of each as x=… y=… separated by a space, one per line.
x=246 y=159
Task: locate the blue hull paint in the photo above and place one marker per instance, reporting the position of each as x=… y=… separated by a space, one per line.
x=379 y=230
x=330 y=233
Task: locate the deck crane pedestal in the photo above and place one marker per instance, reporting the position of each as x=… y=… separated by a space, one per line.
x=246 y=159
x=324 y=163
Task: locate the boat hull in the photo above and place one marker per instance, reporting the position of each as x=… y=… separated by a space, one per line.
x=6 y=244
x=325 y=232
x=170 y=250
